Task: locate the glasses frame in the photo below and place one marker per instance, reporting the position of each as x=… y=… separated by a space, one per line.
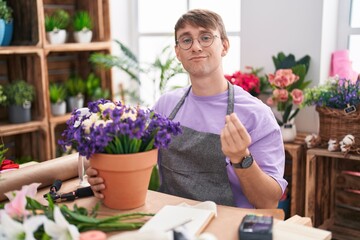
x=201 y=43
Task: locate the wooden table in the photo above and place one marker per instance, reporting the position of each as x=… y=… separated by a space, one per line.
x=224 y=226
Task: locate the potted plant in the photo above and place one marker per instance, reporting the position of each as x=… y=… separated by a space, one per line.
x=121 y=142
x=55 y=26
x=6 y=24
x=83 y=25
x=2 y=95
x=338 y=104
x=19 y=96
x=57 y=92
x=75 y=88
x=288 y=84
x=94 y=90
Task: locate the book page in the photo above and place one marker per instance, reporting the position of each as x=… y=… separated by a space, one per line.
x=170 y=217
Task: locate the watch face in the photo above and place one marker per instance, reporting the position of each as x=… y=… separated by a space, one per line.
x=247 y=161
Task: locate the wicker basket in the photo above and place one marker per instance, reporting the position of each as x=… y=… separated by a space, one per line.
x=336 y=124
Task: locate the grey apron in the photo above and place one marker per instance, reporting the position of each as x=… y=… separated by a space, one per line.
x=193 y=166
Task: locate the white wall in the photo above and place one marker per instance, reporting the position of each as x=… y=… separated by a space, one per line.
x=300 y=27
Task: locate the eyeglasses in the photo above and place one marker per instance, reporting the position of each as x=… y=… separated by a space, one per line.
x=205 y=40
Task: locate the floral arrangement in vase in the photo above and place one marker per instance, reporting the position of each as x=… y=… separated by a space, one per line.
x=114 y=128
x=249 y=81
x=23 y=217
x=288 y=84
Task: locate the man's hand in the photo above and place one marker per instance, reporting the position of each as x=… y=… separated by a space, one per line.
x=235 y=139
x=97 y=183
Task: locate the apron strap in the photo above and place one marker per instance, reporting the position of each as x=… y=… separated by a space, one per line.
x=230 y=106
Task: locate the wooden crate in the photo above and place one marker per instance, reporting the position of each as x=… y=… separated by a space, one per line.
x=331 y=199
x=25 y=67
x=26 y=22
x=98 y=10
x=33 y=145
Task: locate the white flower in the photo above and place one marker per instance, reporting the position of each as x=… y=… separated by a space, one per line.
x=61 y=229
x=83 y=112
x=108 y=105
x=12 y=229
x=130 y=113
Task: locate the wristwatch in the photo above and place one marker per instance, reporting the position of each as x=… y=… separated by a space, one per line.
x=246 y=162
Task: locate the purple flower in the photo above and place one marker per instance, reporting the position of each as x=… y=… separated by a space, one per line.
x=110 y=127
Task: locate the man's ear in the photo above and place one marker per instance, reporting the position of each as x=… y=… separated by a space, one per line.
x=226 y=46
x=177 y=53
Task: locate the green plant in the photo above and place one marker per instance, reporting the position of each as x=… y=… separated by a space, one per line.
x=165 y=68
x=126 y=62
x=2 y=95
x=82 y=21
x=19 y=92
x=93 y=88
x=3 y=150
x=59 y=19
x=75 y=86
x=57 y=92
x=5 y=11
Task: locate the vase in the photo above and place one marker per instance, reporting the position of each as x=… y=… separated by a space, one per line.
x=126 y=177
x=20 y=113
x=83 y=36
x=57 y=36
x=58 y=109
x=288 y=132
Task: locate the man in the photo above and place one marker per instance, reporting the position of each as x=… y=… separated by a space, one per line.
x=231 y=151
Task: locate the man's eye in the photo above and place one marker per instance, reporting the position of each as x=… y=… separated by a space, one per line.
x=186 y=40
x=206 y=37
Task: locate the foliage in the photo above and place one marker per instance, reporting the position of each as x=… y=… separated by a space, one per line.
x=93 y=88
x=19 y=92
x=251 y=81
x=82 y=21
x=3 y=150
x=59 y=19
x=57 y=92
x=114 y=128
x=75 y=86
x=2 y=95
x=5 y=11
x=165 y=67
x=288 y=84
x=26 y=218
x=337 y=93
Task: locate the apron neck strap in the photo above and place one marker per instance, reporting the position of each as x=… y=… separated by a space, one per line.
x=230 y=106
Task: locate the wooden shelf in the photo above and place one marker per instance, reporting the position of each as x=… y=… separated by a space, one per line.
x=68 y=47
x=30 y=57
x=12 y=129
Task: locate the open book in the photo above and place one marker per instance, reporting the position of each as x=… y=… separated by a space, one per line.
x=169 y=217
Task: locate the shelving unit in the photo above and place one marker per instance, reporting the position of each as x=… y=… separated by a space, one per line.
x=31 y=58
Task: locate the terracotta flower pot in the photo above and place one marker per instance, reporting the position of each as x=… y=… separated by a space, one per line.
x=126 y=177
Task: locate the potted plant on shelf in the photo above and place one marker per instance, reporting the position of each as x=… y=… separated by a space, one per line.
x=6 y=24
x=83 y=25
x=57 y=92
x=19 y=96
x=122 y=143
x=55 y=26
x=338 y=103
x=288 y=84
x=2 y=95
x=75 y=88
x=94 y=90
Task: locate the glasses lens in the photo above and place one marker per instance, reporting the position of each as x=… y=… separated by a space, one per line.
x=206 y=39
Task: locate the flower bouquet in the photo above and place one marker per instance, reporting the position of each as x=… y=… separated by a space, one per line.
x=23 y=217
x=288 y=84
x=338 y=103
x=110 y=134
x=249 y=81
